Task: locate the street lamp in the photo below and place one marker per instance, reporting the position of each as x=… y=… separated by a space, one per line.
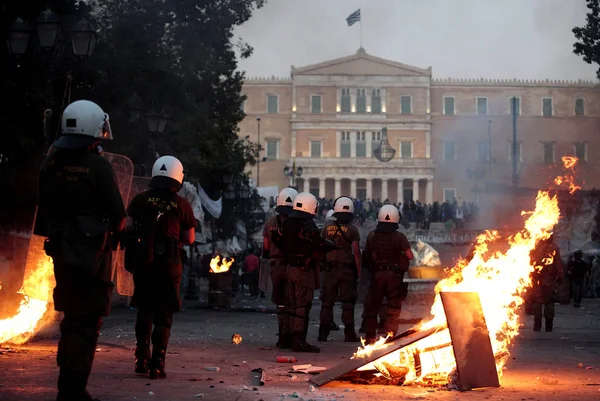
x=157 y=122
x=48 y=27
x=83 y=39
x=293 y=172
x=258 y=161
x=18 y=37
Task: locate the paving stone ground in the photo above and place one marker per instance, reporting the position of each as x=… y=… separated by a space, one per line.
x=543 y=366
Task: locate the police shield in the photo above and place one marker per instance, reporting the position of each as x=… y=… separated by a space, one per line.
x=123 y=168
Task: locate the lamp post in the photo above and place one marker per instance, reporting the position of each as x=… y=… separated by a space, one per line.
x=293 y=172
x=259 y=149
x=490 y=151
x=157 y=122
x=48 y=25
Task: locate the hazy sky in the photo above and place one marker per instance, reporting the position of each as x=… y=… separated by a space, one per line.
x=458 y=38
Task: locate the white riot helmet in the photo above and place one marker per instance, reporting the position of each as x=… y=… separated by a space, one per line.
x=285 y=200
x=82 y=123
x=307 y=203
x=343 y=204
x=329 y=216
x=167 y=172
x=388 y=214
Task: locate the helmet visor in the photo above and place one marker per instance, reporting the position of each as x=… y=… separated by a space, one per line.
x=106 y=132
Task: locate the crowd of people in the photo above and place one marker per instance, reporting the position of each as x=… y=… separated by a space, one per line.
x=454 y=214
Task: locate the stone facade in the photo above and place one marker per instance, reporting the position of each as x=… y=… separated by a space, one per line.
x=328 y=119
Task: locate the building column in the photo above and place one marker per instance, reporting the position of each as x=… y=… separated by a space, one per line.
x=352 y=188
x=369 y=188
x=400 y=191
x=305 y=185
x=338 y=188
x=384 y=189
x=415 y=189
x=321 y=187
x=429 y=194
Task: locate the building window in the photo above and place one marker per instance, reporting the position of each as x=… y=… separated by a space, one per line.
x=405 y=105
x=581 y=151
x=361 y=101
x=272 y=149
x=483 y=151
x=449 y=106
x=345 y=145
x=519 y=151
x=579 y=107
x=482 y=106
x=406 y=149
x=510 y=105
x=375 y=140
x=272 y=104
x=361 y=144
x=316 y=104
x=548 y=149
x=449 y=151
x=547 y=109
x=449 y=195
x=315 y=148
x=376 y=101
x=345 y=101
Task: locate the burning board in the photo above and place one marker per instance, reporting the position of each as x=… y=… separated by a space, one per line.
x=470 y=341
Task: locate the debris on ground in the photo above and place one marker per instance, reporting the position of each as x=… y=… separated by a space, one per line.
x=308 y=368
x=286 y=359
x=212 y=368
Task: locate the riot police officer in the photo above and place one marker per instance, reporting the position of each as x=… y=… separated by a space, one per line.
x=164 y=222
x=79 y=205
x=342 y=270
x=274 y=226
x=303 y=250
x=545 y=281
x=387 y=256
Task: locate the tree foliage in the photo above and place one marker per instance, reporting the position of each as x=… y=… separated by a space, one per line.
x=588 y=36
x=177 y=58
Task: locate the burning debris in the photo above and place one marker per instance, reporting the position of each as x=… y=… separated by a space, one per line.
x=220 y=265
x=453 y=347
x=36 y=298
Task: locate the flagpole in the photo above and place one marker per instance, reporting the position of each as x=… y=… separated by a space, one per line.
x=360 y=22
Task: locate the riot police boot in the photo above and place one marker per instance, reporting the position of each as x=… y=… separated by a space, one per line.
x=142 y=358
x=370 y=338
x=350 y=335
x=323 y=332
x=72 y=386
x=334 y=327
x=537 y=324
x=284 y=341
x=549 y=324
x=157 y=364
x=300 y=345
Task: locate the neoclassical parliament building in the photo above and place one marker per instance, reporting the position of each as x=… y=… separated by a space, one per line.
x=450 y=136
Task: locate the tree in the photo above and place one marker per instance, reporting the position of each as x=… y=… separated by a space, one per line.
x=588 y=36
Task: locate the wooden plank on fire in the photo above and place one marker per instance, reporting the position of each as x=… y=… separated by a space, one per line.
x=470 y=340
x=353 y=364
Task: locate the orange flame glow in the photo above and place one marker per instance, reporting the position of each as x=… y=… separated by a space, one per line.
x=34 y=312
x=500 y=279
x=568 y=180
x=218 y=265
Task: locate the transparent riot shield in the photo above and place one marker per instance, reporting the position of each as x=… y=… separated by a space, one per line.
x=123 y=168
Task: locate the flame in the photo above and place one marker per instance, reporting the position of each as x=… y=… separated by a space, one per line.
x=220 y=266
x=33 y=313
x=501 y=280
x=568 y=180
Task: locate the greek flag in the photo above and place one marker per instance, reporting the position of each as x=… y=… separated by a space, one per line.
x=353 y=18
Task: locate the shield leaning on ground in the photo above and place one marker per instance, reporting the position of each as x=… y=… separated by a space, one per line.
x=123 y=168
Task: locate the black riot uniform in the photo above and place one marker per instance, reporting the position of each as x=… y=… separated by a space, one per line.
x=160 y=216
x=385 y=256
x=79 y=205
x=303 y=249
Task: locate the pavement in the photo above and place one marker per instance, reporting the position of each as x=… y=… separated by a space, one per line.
x=562 y=365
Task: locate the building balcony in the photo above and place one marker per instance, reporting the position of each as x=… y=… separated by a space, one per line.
x=315 y=167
